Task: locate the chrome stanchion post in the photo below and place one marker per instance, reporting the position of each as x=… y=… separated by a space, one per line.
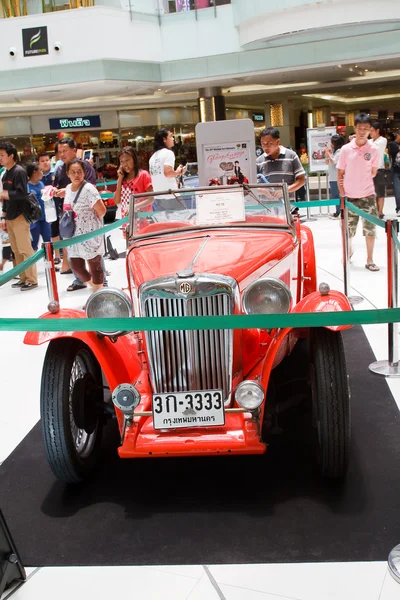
x=51 y=280
x=344 y=213
x=319 y=193
x=394 y=563
x=345 y=244
x=309 y=217
x=327 y=192
x=391 y=367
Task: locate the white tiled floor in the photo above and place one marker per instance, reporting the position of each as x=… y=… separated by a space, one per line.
x=20 y=411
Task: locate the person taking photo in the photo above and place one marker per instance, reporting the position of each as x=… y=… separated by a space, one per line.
x=162 y=169
x=13 y=196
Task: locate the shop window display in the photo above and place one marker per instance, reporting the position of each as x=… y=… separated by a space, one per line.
x=24 y=147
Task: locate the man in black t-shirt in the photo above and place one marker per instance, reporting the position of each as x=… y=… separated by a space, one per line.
x=13 y=196
x=394 y=155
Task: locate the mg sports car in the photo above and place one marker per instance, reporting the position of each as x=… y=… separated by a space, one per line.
x=235 y=250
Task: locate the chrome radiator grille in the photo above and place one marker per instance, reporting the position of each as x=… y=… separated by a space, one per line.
x=190 y=360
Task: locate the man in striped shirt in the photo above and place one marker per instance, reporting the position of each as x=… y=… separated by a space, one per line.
x=279 y=164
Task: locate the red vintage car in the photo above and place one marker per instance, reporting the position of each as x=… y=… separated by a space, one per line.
x=235 y=250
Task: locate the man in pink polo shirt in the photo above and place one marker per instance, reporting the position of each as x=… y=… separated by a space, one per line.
x=357 y=167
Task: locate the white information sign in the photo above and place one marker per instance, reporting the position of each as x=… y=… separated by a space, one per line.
x=223 y=207
x=318 y=140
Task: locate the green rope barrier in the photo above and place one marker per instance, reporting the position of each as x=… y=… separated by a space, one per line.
x=29 y=262
x=105 y=183
x=77 y=239
x=316 y=203
x=364 y=215
x=322 y=319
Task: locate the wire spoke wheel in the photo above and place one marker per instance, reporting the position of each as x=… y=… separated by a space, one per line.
x=71 y=409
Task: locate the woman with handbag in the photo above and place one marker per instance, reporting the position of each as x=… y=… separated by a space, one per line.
x=41 y=227
x=84 y=211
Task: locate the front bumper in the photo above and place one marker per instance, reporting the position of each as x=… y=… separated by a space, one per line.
x=239 y=435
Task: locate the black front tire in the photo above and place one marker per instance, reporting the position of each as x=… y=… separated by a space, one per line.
x=72 y=451
x=331 y=402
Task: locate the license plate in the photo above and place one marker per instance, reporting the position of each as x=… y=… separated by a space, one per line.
x=188 y=409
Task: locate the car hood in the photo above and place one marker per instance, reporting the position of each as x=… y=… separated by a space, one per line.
x=237 y=253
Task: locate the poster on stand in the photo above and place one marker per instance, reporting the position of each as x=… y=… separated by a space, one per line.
x=318 y=140
x=226 y=152
x=227 y=160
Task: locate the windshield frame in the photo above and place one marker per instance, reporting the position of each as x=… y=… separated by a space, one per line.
x=247 y=189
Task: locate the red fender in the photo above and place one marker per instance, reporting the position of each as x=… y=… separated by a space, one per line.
x=119 y=361
x=333 y=302
x=310 y=268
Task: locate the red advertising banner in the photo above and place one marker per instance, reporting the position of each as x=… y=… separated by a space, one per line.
x=182 y=5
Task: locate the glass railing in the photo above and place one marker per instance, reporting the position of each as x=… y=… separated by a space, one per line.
x=250 y=9
x=19 y=8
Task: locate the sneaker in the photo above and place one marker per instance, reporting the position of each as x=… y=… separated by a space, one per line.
x=18 y=284
x=28 y=286
x=334 y=216
x=105 y=284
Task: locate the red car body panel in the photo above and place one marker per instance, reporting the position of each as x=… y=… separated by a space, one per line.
x=244 y=254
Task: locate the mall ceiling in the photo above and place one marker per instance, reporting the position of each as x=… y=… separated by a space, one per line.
x=373 y=84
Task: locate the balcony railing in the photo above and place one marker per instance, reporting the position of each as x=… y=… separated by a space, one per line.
x=19 y=8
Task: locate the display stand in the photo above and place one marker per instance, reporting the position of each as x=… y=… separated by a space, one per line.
x=309 y=217
x=11 y=568
x=318 y=139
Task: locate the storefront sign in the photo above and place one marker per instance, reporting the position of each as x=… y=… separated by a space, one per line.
x=220 y=207
x=75 y=122
x=258 y=117
x=318 y=140
x=106 y=136
x=34 y=41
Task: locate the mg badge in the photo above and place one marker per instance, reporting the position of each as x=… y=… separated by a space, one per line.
x=185 y=287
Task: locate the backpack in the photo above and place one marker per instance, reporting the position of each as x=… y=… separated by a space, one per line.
x=111 y=251
x=31 y=208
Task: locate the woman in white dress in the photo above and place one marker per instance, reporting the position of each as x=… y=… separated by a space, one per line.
x=89 y=210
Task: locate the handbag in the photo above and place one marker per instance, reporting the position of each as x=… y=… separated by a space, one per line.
x=67 y=223
x=31 y=208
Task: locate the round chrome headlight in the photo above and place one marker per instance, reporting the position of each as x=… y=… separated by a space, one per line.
x=111 y=304
x=249 y=394
x=267 y=296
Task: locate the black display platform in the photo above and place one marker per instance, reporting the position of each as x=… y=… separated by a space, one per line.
x=272 y=508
